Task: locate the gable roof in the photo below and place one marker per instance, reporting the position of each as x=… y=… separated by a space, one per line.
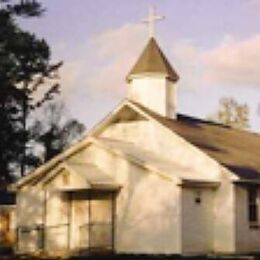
x=237 y=150
x=152 y=60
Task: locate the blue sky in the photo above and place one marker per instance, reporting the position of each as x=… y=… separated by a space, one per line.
x=213 y=45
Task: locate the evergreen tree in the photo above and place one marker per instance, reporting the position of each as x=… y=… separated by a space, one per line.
x=24 y=68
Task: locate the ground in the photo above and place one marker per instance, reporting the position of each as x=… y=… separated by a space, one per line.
x=131 y=257
x=7 y=254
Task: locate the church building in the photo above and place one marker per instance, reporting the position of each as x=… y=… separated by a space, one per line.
x=146 y=180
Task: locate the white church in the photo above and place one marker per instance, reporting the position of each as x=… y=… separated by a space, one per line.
x=146 y=180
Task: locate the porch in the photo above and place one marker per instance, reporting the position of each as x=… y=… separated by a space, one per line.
x=72 y=219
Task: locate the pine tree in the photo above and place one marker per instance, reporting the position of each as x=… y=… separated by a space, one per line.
x=25 y=67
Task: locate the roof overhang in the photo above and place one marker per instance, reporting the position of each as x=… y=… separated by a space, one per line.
x=151 y=75
x=188 y=183
x=94 y=188
x=7 y=206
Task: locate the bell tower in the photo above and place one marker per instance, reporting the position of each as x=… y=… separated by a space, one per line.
x=152 y=80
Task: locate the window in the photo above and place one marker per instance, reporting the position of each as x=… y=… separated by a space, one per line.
x=252 y=206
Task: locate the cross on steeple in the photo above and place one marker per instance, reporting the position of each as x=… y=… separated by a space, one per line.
x=151 y=19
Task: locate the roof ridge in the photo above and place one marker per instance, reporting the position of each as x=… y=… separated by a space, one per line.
x=201 y=120
x=219 y=124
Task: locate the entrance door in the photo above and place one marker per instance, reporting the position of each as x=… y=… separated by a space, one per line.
x=93 y=215
x=101 y=221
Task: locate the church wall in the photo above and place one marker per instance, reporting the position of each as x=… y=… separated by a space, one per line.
x=224 y=212
x=132 y=131
x=161 y=141
x=27 y=213
x=57 y=221
x=65 y=180
x=29 y=216
x=147 y=207
x=197 y=220
x=247 y=239
x=174 y=148
x=47 y=206
x=143 y=202
x=61 y=222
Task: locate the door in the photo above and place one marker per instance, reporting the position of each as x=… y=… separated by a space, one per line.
x=93 y=218
x=101 y=221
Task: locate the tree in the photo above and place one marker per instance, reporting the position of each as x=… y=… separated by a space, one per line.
x=25 y=68
x=55 y=132
x=11 y=133
x=232 y=113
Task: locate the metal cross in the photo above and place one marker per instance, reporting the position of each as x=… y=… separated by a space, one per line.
x=151 y=19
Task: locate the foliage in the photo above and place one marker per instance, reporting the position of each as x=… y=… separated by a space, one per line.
x=55 y=132
x=231 y=113
x=24 y=68
x=11 y=134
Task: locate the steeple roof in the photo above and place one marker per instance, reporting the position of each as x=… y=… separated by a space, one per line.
x=153 y=61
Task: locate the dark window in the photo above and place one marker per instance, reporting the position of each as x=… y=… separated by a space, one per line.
x=252 y=205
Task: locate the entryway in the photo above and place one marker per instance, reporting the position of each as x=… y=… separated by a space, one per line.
x=93 y=220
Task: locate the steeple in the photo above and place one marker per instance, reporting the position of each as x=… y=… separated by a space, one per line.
x=153 y=62
x=152 y=80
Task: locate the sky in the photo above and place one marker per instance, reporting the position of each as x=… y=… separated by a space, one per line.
x=213 y=45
